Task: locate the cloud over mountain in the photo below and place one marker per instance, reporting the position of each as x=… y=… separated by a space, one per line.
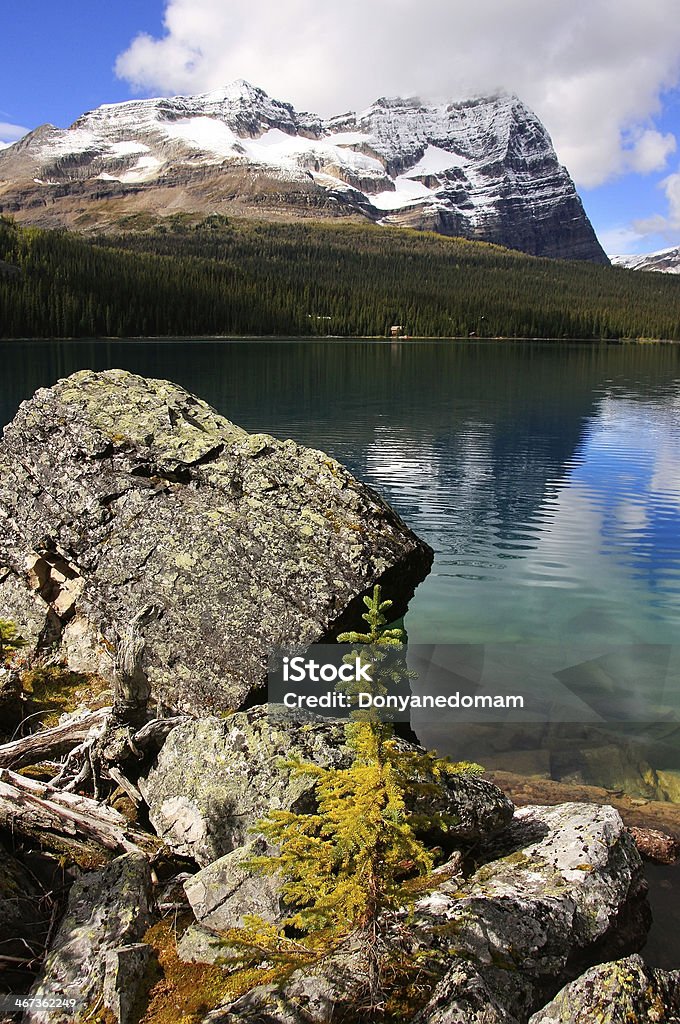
x=593 y=70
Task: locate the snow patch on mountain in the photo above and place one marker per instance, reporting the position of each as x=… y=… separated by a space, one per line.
x=663 y=261
x=484 y=167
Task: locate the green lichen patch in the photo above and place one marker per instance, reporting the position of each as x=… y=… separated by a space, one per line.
x=55 y=690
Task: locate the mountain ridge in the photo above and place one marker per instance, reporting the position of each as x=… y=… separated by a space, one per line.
x=663 y=261
x=482 y=168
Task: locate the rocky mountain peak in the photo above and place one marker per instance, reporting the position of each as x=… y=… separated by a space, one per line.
x=482 y=167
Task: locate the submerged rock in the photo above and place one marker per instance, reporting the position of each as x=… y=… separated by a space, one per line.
x=207 y=814
x=123 y=497
x=657 y=846
x=624 y=992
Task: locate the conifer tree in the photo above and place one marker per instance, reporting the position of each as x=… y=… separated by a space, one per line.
x=349 y=866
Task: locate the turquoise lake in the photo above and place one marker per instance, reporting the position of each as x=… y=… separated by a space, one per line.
x=546 y=476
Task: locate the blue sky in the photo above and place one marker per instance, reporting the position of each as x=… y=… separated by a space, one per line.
x=603 y=75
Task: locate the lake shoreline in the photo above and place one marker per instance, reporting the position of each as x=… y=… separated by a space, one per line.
x=187 y=339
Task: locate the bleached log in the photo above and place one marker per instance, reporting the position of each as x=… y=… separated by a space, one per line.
x=50 y=744
x=62 y=820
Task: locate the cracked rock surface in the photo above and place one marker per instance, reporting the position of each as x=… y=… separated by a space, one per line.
x=122 y=496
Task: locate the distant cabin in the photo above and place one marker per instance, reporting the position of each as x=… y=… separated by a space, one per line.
x=396 y=330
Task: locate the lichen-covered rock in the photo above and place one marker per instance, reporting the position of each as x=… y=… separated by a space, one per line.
x=551 y=896
x=206 y=814
x=463 y=996
x=316 y=995
x=226 y=890
x=623 y=992
x=121 y=496
x=106 y=909
x=198 y=945
x=563 y=886
x=124 y=981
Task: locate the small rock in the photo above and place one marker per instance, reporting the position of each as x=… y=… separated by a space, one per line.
x=197 y=945
x=463 y=995
x=226 y=890
x=124 y=981
x=623 y=992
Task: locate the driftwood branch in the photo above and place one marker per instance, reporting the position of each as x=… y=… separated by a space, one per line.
x=51 y=744
x=66 y=821
x=60 y=741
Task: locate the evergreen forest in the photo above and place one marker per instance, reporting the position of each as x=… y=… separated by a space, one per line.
x=223 y=276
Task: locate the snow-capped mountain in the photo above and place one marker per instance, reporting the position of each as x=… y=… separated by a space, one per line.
x=484 y=168
x=665 y=261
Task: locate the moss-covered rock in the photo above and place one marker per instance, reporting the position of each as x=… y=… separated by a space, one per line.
x=622 y=992
x=120 y=495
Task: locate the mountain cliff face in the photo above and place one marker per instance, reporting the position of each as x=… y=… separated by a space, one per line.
x=665 y=261
x=483 y=169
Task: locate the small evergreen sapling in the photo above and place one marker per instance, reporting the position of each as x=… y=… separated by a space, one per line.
x=10 y=640
x=349 y=866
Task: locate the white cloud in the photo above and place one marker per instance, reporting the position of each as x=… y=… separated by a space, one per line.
x=9 y=133
x=618 y=241
x=649 y=151
x=593 y=70
x=670 y=223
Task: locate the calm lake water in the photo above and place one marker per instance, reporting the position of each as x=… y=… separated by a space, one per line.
x=546 y=476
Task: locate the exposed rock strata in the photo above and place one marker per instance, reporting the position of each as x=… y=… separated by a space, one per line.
x=125 y=499
x=482 y=168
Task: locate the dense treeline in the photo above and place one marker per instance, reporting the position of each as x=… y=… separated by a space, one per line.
x=242 y=277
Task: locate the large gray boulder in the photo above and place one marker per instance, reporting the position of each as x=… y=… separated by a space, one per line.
x=215 y=778
x=107 y=909
x=563 y=888
x=623 y=992
x=122 y=497
x=551 y=897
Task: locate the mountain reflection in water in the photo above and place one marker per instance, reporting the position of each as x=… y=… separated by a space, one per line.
x=545 y=475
